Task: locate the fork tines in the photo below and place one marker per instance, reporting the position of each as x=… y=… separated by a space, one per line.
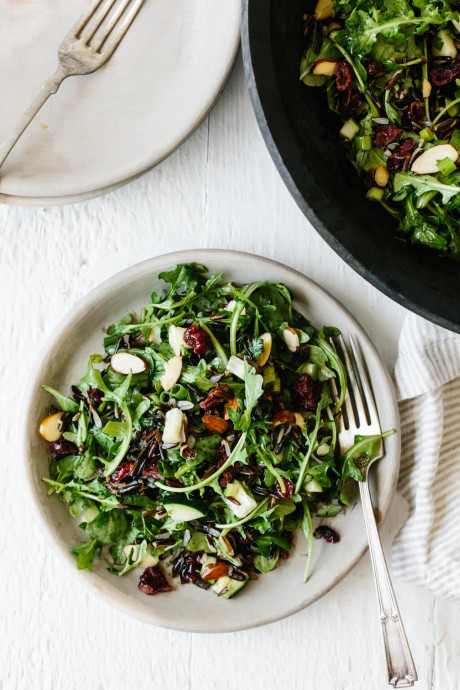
x=105 y=23
x=359 y=414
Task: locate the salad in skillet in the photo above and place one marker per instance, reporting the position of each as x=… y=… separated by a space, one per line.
x=391 y=72
x=203 y=437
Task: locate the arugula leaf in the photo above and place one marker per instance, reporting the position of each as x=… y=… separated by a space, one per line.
x=108 y=527
x=425 y=183
x=265 y=563
x=395 y=20
x=253 y=390
x=142 y=552
x=85 y=554
x=198 y=542
x=65 y=403
x=329 y=510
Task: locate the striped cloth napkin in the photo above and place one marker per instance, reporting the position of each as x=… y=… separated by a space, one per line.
x=426 y=551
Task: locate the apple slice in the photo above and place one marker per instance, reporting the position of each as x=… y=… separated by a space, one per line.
x=49 y=428
x=324 y=68
x=176 y=339
x=426 y=164
x=263 y=357
x=175 y=423
x=235 y=366
x=291 y=339
x=172 y=373
x=124 y=363
x=155 y=335
x=444 y=45
x=231 y=306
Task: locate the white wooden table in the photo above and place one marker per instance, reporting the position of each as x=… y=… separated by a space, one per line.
x=219 y=190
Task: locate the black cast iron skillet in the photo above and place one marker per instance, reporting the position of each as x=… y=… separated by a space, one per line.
x=301 y=136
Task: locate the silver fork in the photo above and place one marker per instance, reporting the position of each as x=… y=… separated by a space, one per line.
x=362 y=422
x=89 y=44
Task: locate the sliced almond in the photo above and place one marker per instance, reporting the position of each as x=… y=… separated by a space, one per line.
x=124 y=363
x=49 y=428
x=324 y=68
x=173 y=369
x=382 y=176
x=175 y=423
x=214 y=570
x=323 y=9
x=323 y=449
x=291 y=339
x=263 y=357
x=426 y=164
x=426 y=88
x=176 y=339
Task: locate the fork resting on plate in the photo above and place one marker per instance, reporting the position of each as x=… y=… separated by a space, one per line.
x=361 y=418
x=89 y=44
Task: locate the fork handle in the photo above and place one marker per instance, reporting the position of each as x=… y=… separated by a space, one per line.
x=400 y=665
x=50 y=86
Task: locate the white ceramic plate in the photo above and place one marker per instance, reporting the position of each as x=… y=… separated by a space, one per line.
x=101 y=130
x=274 y=595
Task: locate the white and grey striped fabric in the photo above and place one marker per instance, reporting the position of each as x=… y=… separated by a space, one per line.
x=427 y=375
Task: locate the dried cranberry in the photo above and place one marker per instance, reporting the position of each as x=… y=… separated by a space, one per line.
x=326 y=533
x=440 y=76
x=415 y=111
x=386 y=134
x=288 y=489
x=231 y=472
x=399 y=155
x=151 y=469
x=190 y=568
x=123 y=470
x=351 y=101
x=217 y=398
x=370 y=178
x=153 y=580
x=95 y=395
x=198 y=339
x=63 y=447
x=374 y=69
x=344 y=75
x=307 y=392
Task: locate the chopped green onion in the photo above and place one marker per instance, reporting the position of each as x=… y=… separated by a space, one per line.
x=446 y=166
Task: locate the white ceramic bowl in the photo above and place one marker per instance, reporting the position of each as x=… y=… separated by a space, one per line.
x=274 y=595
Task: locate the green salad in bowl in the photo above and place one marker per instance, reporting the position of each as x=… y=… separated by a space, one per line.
x=391 y=73
x=203 y=436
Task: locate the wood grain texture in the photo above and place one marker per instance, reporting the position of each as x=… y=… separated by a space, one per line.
x=219 y=190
